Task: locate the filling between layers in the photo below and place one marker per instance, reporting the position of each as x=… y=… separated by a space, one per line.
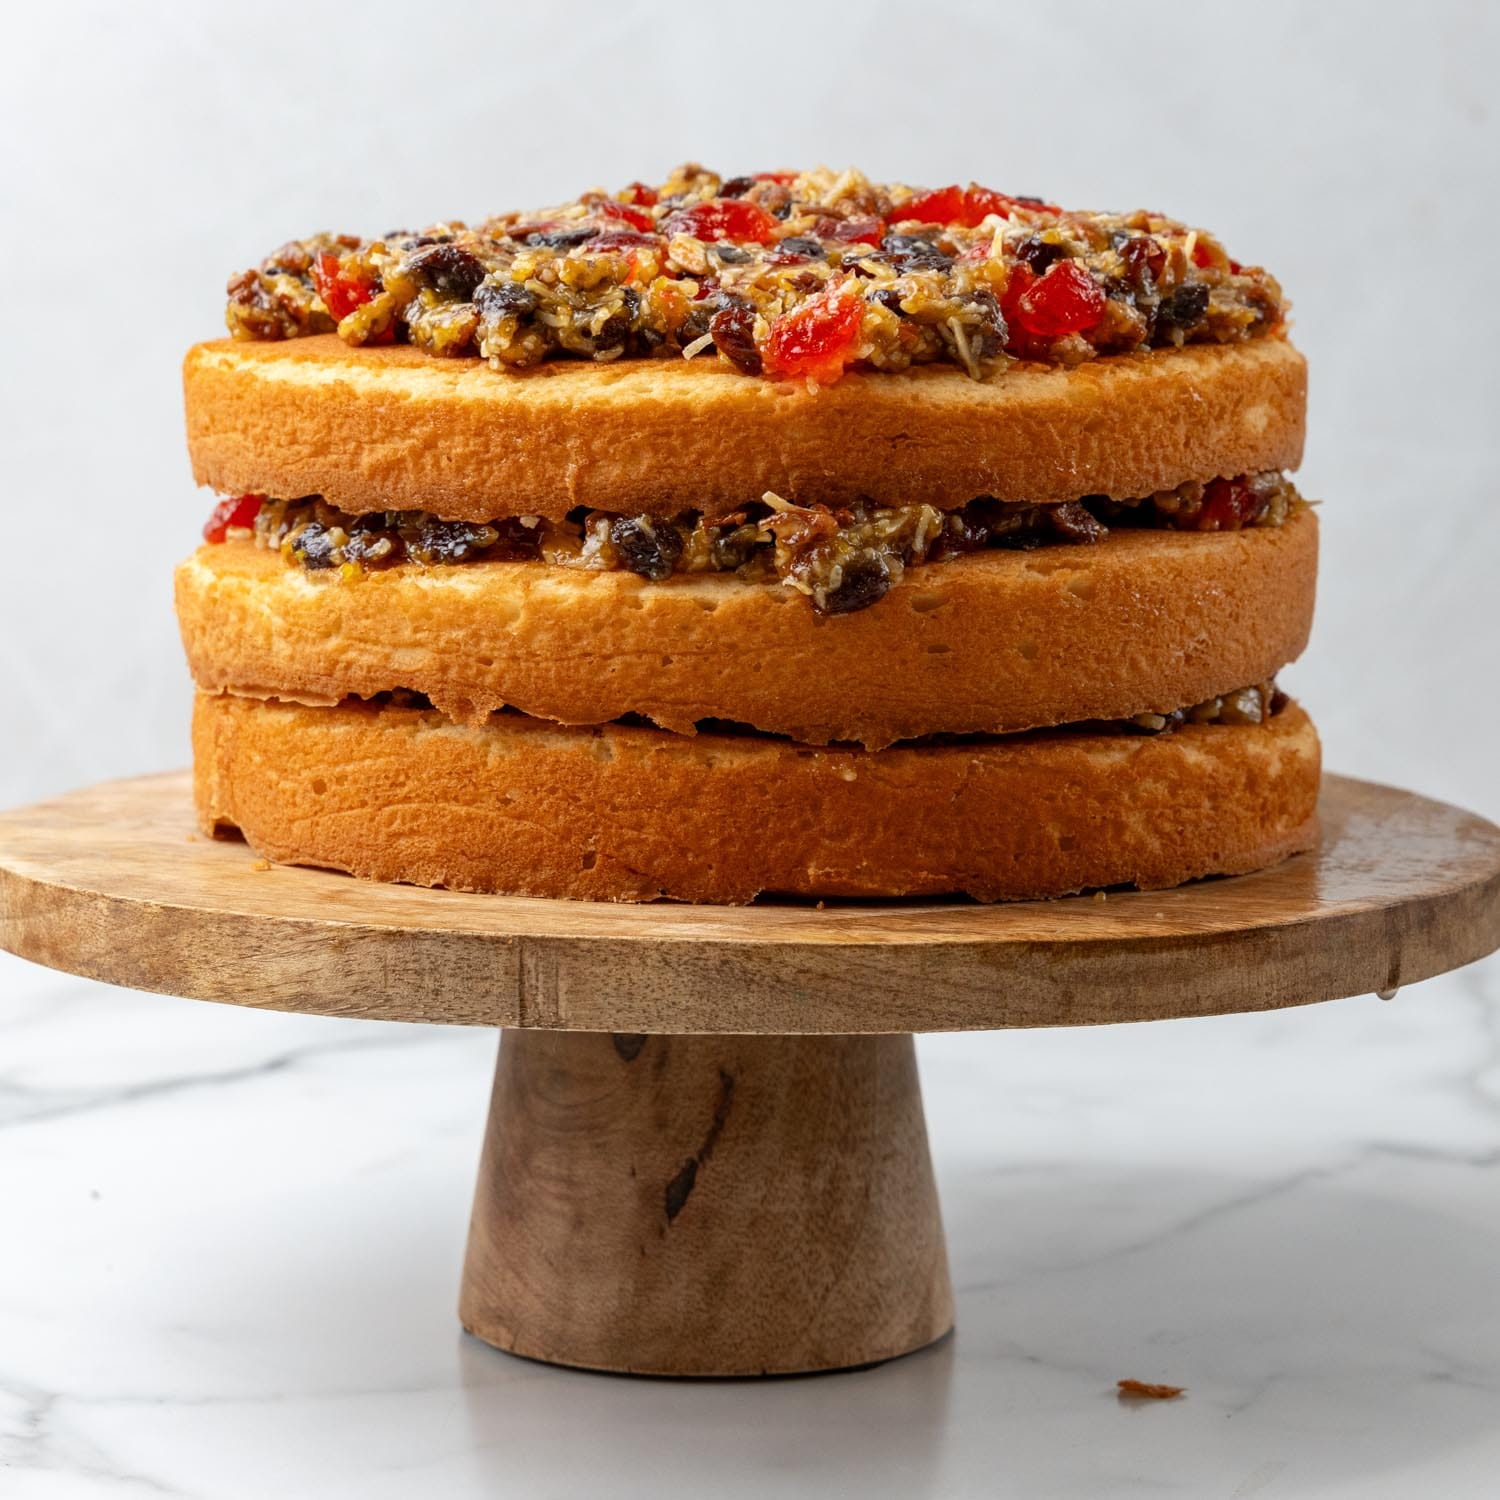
x=842 y=559
x=1248 y=705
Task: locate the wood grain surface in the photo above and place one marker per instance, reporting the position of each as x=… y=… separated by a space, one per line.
x=113 y=883
x=706 y=1205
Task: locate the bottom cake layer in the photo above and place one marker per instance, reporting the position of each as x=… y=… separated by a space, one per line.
x=623 y=813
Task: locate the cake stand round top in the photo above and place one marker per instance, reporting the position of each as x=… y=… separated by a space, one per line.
x=112 y=882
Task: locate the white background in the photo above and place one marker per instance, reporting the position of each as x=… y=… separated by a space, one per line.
x=1339 y=1325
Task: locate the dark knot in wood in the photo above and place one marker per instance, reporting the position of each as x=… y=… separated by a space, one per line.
x=680 y=1188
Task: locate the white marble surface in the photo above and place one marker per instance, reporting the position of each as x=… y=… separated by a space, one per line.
x=229 y=1247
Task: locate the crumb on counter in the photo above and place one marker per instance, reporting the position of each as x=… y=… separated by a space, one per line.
x=1143 y=1390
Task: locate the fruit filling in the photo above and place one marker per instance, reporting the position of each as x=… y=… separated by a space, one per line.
x=843 y=559
x=1248 y=705
x=789 y=275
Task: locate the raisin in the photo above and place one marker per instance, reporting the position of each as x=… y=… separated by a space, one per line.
x=1014 y=524
x=616 y=329
x=371 y=546
x=562 y=239
x=451 y=541
x=449 y=269
x=910 y=252
x=733 y=330
x=503 y=299
x=696 y=321
x=736 y=187
x=314 y=547
x=515 y=541
x=1072 y=522
x=990 y=332
x=648 y=547
x=730 y=255
x=1183 y=308
x=802 y=244
x=1144 y=259
x=1039 y=254
x=866 y=579
x=963 y=531
x=888 y=297
x=732 y=548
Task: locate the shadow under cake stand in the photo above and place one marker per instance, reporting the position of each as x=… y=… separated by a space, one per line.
x=706 y=1153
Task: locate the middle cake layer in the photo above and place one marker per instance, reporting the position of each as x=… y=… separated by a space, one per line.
x=991 y=643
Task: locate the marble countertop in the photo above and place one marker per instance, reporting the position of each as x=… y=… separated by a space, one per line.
x=230 y=1242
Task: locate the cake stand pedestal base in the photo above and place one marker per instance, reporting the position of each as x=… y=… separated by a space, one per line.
x=706 y=1205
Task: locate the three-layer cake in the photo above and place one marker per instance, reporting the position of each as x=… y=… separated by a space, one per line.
x=787 y=534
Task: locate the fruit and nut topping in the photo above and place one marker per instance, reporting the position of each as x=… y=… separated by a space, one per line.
x=793 y=275
x=843 y=559
x=1249 y=705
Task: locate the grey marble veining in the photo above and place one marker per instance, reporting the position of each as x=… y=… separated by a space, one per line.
x=231 y=1243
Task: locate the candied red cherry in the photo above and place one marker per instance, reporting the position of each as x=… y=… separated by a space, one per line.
x=1206 y=254
x=980 y=203
x=817 y=340
x=783 y=178
x=1066 y=300
x=1228 y=505
x=638 y=192
x=238 y=511
x=1022 y=279
x=341 y=292
x=968 y=207
x=724 y=219
x=942 y=206
x=637 y=218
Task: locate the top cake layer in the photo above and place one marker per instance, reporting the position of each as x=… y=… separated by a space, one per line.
x=376 y=429
x=779 y=274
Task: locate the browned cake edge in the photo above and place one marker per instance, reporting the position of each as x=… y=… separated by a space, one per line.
x=628 y=814
x=385 y=428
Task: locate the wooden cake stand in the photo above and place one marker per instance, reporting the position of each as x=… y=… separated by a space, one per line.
x=706 y=1153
